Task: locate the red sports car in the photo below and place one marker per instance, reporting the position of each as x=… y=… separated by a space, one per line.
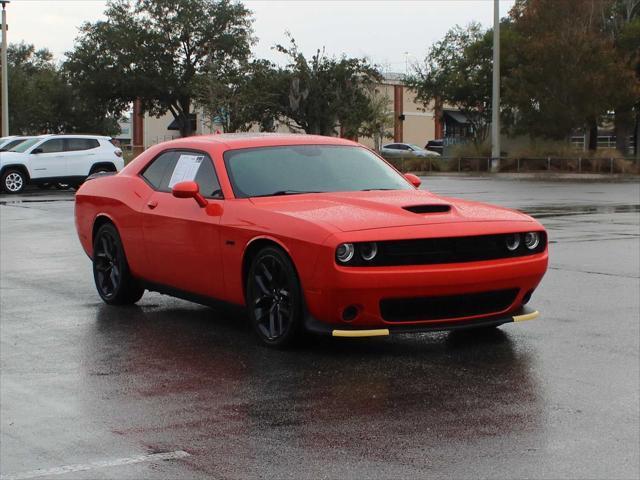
x=310 y=233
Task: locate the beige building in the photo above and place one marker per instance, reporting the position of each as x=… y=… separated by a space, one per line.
x=411 y=123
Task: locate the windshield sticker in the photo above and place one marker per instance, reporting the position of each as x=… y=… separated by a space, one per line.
x=186 y=169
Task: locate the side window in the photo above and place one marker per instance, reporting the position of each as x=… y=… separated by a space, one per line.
x=207 y=179
x=177 y=166
x=54 y=145
x=76 y=144
x=13 y=143
x=158 y=169
x=194 y=166
x=392 y=146
x=404 y=147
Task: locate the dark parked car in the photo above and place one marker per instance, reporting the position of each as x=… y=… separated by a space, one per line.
x=435 y=146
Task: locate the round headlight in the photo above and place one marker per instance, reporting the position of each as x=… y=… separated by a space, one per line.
x=368 y=251
x=532 y=240
x=345 y=252
x=513 y=242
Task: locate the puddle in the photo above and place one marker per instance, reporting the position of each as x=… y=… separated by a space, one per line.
x=566 y=210
x=29 y=200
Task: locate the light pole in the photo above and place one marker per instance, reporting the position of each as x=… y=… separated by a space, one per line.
x=495 y=97
x=5 y=79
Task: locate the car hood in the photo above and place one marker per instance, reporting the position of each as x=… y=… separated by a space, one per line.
x=352 y=211
x=11 y=157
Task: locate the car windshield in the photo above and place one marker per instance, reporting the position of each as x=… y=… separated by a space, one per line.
x=287 y=170
x=416 y=147
x=24 y=146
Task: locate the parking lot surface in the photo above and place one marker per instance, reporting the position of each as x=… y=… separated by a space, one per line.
x=170 y=389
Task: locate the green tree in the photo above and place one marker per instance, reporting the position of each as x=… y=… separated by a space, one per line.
x=157 y=51
x=622 y=22
x=249 y=95
x=566 y=73
x=35 y=90
x=324 y=93
x=43 y=100
x=457 y=72
x=379 y=120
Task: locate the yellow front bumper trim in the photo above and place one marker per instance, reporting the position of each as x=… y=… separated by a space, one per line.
x=526 y=316
x=380 y=332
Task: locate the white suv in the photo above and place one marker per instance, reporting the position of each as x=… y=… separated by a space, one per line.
x=51 y=159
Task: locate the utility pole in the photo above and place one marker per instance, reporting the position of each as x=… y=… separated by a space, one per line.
x=5 y=79
x=495 y=97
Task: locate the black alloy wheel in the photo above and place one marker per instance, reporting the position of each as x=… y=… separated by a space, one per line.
x=274 y=299
x=113 y=280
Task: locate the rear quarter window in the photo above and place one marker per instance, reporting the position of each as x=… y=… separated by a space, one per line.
x=76 y=144
x=156 y=171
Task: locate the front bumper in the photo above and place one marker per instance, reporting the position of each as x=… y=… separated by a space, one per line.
x=320 y=328
x=364 y=289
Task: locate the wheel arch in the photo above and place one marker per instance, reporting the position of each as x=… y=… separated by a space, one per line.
x=16 y=166
x=98 y=222
x=251 y=250
x=110 y=165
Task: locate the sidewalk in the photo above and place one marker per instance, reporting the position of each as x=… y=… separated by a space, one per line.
x=540 y=176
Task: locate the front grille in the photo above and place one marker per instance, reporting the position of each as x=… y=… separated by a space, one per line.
x=451 y=306
x=447 y=250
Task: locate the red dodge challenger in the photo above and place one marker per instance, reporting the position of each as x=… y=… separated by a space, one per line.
x=310 y=233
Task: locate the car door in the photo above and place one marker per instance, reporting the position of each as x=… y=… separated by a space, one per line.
x=181 y=238
x=80 y=154
x=47 y=160
x=390 y=150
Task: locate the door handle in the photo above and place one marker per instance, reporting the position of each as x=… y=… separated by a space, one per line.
x=152 y=204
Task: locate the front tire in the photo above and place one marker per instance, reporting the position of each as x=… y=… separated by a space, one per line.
x=274 y=298
x=13 y=181
x=114 y=282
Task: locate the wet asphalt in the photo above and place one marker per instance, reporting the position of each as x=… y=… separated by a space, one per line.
x=558 y=397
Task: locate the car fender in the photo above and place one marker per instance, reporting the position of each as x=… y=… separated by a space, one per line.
x=20 y=166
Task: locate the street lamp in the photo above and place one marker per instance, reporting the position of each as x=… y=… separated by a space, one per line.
x=5 y=79
x=495 y=100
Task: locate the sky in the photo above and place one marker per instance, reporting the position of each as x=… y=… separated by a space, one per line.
x=391 y=33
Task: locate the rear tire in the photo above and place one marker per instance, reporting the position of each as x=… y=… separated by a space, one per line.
x=113 y=279
x=274 y=298
x=13 y=181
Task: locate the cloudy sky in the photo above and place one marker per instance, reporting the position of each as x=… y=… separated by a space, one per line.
x=389 y=32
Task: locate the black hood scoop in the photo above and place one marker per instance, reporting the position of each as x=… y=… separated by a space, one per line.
x=437 y=208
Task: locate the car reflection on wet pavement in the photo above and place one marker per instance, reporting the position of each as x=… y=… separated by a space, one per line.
x=83 y=382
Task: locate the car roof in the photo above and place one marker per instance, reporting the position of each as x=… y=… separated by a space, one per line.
x=73 y=135
x=258 y=139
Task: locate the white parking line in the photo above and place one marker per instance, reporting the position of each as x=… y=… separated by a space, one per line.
x=91 y=466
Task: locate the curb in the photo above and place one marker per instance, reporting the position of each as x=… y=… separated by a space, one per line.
x=539 y=176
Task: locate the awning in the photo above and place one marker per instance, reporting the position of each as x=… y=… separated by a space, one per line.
x=456 y=116
x=175 y=125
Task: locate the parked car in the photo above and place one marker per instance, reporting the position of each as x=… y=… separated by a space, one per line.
x=309 y=233
x=435 y=146
x=405 y=150
x=7 y=143
x=57 y=159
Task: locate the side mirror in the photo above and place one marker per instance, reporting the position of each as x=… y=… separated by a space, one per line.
x=37 y=150
x=415 y=181
x=189 y=190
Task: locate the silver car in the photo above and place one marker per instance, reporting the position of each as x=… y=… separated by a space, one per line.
x=7 y=143
x=406 y=150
